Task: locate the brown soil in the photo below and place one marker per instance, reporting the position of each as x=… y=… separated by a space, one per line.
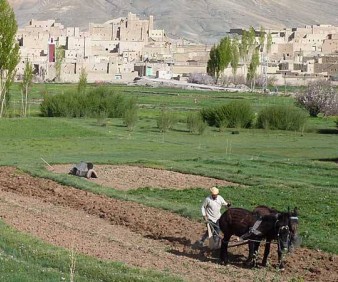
x=133 y=177
x=135 y=234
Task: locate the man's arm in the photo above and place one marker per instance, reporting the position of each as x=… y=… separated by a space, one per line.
x=225 y=203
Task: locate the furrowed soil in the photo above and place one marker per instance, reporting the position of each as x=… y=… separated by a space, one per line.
x=135 y=234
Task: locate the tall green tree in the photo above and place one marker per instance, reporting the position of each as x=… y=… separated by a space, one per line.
x=244 y=46
x=262 y=39
x=268 y=42
x=212 y=62
x=9 y=51
x=25 y=85
x=225 y=54
x=251 y=76
x=262 y=49
x=265 y=42
x=219 y=58
x=235 y=56
x=247 y=45
x=252 y=38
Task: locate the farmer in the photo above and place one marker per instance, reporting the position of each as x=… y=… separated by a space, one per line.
x=211 y=212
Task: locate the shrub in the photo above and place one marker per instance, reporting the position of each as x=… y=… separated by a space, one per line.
x=236 y=114
x=195 y=123
x=209 y=116
x=223 y=124
x=282 y=118
x=61 y=105
x=130 y=118
x=82 y=84
x=116 y=105
x=92 y=104
x=319 y=97
x=130 y=115
x=102 y=119
x=102 y=99
x=166 y=120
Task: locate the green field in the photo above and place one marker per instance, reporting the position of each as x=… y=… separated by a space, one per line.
x=277 y=168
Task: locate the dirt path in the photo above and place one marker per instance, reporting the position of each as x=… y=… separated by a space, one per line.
x=134 y=234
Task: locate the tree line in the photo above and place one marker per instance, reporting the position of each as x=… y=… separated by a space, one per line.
x=230 y=51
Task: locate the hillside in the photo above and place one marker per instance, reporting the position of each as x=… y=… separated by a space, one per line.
x=198 y=20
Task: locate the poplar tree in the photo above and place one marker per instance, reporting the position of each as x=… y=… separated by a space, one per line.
x=226 y=53
x=25 y=86
x=9 y=51
x=244 y=46
x=212 y=62
x=268 y=42
x=219 y=58
x=262 y=39
x=247 y=45
x=235 y=56
x=248 y=49
x=251 y=76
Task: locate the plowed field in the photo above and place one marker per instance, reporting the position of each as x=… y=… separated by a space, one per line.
x=137 y=235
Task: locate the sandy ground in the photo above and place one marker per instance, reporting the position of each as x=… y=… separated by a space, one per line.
x=135 y=234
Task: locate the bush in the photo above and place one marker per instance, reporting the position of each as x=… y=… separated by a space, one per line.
x=82 y=84
x=166 y=120
x=209 y=116
x=223 y=124
x=116 y=105
x=130 y=118
x=236 y=114
x=195 y=123
x=92 y=104
x=319 y=97
x=102 y=119
x=282 y=118
x=62 y=105
x=130 y=114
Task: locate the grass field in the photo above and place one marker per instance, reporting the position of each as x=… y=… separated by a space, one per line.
x=277 y=168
